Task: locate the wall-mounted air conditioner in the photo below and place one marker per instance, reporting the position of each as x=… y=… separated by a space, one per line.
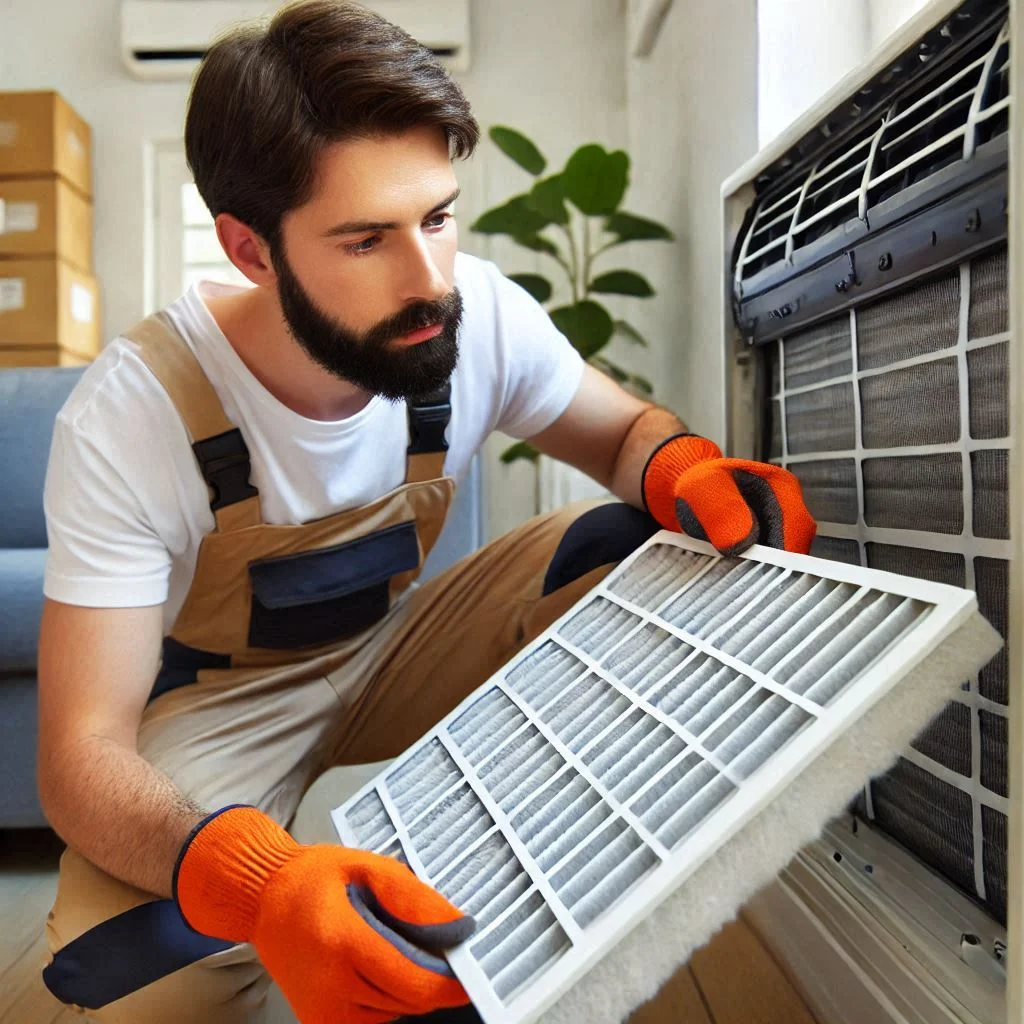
x=165 y=39
x=872 y=338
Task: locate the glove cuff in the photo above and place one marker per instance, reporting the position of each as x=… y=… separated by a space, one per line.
x=666 y=464
x=223 y=868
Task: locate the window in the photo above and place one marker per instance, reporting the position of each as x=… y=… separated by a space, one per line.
x=202 y=257
x=185 y=245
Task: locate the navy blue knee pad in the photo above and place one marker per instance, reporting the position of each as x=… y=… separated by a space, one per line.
x=126 y=953
x=602 y=536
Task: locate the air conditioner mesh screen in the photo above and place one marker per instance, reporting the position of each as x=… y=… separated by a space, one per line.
x=895 y=417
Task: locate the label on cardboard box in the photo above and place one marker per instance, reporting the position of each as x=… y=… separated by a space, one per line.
x=16 y=218
x=8 y=133
x=81 y=304
x=75 y=144
x=12 y=294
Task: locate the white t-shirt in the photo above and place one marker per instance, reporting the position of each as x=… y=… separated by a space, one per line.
x=126 y=505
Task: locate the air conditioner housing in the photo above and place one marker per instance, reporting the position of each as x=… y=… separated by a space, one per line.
x=869 y=291
x=166 y=39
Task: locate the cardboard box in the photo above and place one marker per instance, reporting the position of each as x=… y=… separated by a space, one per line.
x=41 y=134
x=48 y=304
x=15 y=358
x=45 y=217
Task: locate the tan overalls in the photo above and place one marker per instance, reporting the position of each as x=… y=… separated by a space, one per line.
x=298 y=648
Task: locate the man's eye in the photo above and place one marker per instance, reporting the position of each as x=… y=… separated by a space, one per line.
x=437 y=221
x=365 y=245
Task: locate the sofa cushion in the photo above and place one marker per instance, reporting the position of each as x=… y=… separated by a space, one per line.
x=29 y=402
x=19 y=799
x=21 y=605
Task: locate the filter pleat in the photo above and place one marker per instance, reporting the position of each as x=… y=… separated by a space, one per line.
x=599 y=627
x=543 y=674
x=836 y=613
x=657 y=573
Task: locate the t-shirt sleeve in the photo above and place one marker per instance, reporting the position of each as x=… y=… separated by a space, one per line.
x=542 y=370
x=102 y=552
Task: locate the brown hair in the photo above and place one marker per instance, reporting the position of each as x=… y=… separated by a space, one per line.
x=266 y=101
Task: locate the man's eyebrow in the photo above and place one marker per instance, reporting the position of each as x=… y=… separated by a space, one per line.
x=358 y=227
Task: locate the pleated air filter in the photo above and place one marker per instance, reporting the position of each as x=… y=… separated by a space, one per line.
x=609 y=799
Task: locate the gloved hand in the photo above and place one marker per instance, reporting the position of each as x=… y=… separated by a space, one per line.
x=350 y=937
x=689 y=486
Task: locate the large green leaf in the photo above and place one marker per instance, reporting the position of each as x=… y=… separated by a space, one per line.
x=631 y=228
x=539 y=287
x=630 y=332
x=518 y=147
x=538 y=243
x=595 y=181
x=622 y=282
x=520 y=450
x=513 y=218
x=615 y=372
x=632 y=381
x=588 y=325
x=548 y=199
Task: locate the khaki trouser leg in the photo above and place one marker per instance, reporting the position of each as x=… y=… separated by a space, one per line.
x=221 y=743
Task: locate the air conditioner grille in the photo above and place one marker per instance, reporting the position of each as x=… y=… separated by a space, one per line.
x=941 y=120
x=918 y=486
x=947 y=741
x=946 y=841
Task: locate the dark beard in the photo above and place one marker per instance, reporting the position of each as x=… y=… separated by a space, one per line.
x=367 y=359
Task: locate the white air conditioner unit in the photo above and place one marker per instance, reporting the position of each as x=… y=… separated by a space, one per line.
x=882 y=216
x=165 y=39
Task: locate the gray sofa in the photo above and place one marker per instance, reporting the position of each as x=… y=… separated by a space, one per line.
x=29 y=402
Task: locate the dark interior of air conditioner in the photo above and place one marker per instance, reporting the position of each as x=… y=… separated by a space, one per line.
x=888 y=396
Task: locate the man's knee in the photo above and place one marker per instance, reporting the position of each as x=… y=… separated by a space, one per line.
x=600 y=536
x=122 y=956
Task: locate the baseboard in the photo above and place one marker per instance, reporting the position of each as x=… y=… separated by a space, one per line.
x=868 y=935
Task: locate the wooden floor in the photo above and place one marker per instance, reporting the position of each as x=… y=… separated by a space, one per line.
x=733 y=980
x=28 y=877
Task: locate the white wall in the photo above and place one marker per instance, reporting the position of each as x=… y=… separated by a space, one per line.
x=692 y=120
x=560 y=79
x=73 y=47
x=804 y=48
x=886 y=16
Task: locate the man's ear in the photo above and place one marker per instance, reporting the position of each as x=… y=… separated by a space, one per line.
x=246 y=249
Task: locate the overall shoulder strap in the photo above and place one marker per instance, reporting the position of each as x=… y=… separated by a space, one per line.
x=217 y=443
x=428 y=420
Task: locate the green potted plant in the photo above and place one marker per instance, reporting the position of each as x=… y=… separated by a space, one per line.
x=574 y=217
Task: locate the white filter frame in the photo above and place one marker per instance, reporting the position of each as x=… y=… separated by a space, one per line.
x=950 y=608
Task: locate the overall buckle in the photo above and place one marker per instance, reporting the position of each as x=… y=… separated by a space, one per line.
x=224 y=461
x=428 y=420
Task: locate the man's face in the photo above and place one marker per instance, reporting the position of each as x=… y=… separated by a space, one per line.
x=365 y=269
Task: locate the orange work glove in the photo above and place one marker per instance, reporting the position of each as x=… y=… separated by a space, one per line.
x=350 y=937
x=689 y=487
